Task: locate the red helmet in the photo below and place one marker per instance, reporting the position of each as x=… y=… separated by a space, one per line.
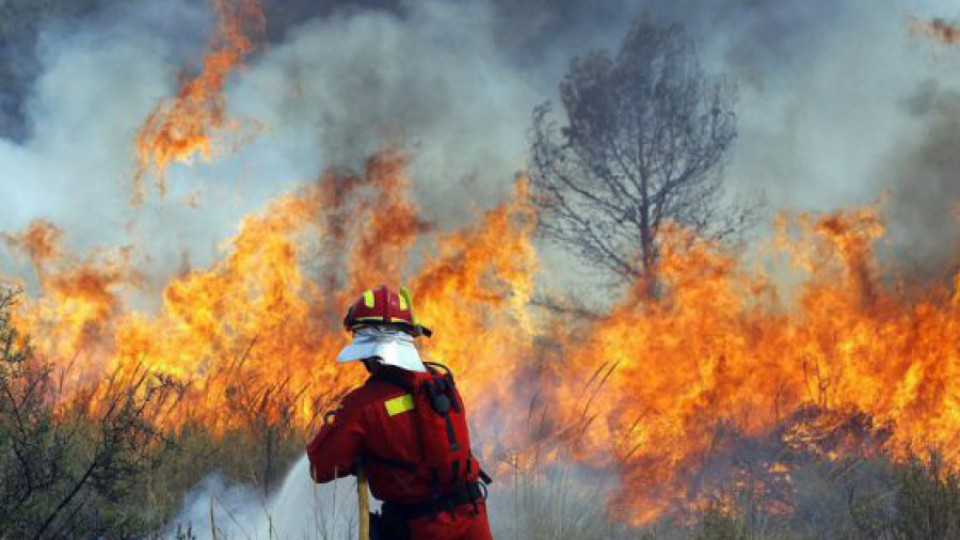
x=383 y=306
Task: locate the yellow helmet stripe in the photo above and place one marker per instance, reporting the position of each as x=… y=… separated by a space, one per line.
x=406 y=299
x=368 y=298
x=406 y=302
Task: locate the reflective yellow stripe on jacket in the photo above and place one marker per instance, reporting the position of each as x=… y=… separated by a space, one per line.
x=399 y=404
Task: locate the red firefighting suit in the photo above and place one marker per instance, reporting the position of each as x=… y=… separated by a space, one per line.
x=367 y=429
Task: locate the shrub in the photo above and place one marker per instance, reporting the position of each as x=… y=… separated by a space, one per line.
x=74 y=468
x=928 y=501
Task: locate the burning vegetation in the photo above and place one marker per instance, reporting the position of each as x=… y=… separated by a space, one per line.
x=709 y=381
x=851 y=363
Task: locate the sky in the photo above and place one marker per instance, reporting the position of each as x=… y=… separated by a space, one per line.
x=839 y=104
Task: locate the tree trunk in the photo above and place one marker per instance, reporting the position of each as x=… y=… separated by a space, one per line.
x=648 y=251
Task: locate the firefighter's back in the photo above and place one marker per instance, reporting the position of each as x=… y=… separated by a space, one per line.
x=417 y=497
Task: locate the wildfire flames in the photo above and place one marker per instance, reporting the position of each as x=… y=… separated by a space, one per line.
x=645 y=390
x=181 y=127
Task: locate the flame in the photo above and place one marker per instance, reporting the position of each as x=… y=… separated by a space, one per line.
x=183 y=126
x=846 y=355
x=937 y=29
x=80 y=296
x=843 y=357
x=719 y=350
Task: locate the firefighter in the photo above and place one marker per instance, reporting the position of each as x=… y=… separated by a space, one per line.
x=406 y=427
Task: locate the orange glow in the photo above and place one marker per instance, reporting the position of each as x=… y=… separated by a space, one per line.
x=848 y=358
x=70 y=321
x=845 y=361
x=40 y=242
x=718 y=350
x=182 y=127
x=937 y=29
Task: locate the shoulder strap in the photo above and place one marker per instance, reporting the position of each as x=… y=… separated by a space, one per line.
x=434 y=367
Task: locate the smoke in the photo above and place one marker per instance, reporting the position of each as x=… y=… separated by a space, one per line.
x=327 y=96
x=432 y=82
x=454 y=83
x=301 y=509
x=838 y=102
x=925 y=186
x=564 y=498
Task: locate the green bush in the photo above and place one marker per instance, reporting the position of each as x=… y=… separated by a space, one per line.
x=74 y=469
x=718 y=525
x=928 y=501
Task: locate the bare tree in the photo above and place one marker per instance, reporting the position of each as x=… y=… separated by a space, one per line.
x=645 y=140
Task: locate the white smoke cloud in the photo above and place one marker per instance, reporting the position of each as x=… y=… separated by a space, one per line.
x=301 y=509
x=566 y=499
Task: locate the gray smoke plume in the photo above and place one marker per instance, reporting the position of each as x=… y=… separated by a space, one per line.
x=925 y=184
x=454 y=82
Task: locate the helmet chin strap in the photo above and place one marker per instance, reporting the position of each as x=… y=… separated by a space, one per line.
x=372 y=364
x=382 y=345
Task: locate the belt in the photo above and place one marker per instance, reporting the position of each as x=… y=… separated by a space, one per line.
x=471 y=493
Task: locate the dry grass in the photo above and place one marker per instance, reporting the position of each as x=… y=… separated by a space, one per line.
x=111 y=475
